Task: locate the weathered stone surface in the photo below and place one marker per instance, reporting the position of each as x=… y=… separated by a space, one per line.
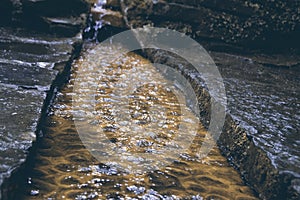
x=26 y=75
x=20 y=112
x=30 y=63
x=104 y=23
x=264 y=101
x=68 y=26
x=19 y=44
x=27 y=70
x=269 y=25
x=114 y=4
x=260 y=135
x=113 y=18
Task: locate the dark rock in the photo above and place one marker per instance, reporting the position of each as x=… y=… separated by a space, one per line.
x=37 y=45
x=113 y=18
x=263 y=101
x=260 y=132
x=269 y=25
x=6 y=11
x=113 y=4
x=30 y=62
x=20 y=112
x=65 y=26
x=54 y=8
x=104 y=23
x=26 y=75
x=65 y=18
x=31 y=66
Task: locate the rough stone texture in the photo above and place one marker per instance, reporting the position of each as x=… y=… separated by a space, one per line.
x=37 y=43
x=269 y=25
x=105 y=20
x=113 y=17
x=264 y=101
x=28 y=67
x=20 y=111
x=261 y=133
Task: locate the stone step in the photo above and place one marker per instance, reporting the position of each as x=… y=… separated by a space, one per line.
x=20 y=113
x=28 y=76
x=34 y=48
x=64 y=26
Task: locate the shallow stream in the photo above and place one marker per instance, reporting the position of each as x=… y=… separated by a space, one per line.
x=65 y=169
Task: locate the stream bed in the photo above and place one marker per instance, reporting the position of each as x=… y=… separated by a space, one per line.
x=118 y=143
x=63 y=168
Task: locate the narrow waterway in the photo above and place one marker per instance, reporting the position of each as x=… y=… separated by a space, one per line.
x=65 y=169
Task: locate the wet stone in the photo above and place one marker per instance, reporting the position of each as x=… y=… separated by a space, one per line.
x=28 y=68
x=260 y=67
x=260 y=134
x=267 y=25
x=5 y=10
x=265 y=102
x=37 y=41
x=33 y=48
x=66 y=7
x=72 y=172
x=20 y=111
x=26 y=76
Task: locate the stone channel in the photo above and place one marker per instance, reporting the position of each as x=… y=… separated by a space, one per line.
x=254 y=45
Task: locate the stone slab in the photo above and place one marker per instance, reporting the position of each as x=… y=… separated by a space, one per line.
x=20 y=112
x=28 y=69
x=38 y=39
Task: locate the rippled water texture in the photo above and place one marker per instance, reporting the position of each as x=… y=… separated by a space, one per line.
x=65 y=169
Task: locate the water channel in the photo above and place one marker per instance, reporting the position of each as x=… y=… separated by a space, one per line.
x=65 y=169
x=64 y=166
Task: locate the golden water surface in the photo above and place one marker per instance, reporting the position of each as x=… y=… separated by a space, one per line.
x=155 y=115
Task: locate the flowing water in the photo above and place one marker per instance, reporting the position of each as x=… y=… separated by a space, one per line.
x=65 y=169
